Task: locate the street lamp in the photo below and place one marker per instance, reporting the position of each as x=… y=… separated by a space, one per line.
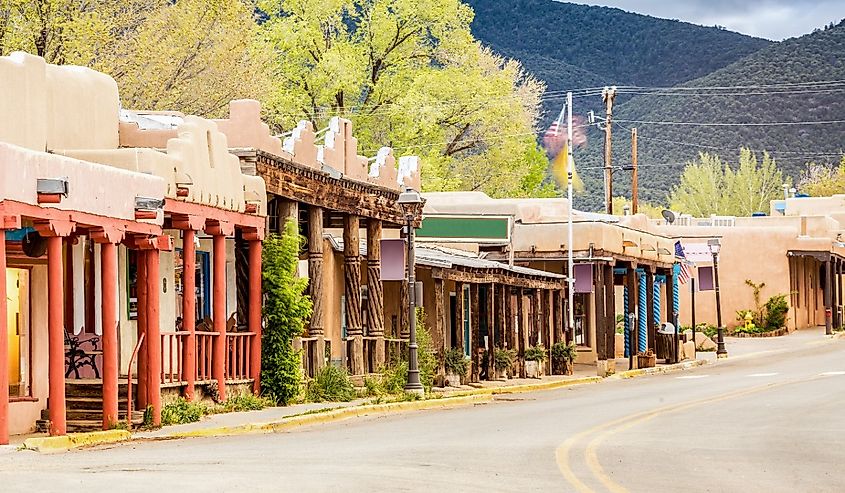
x=714 y=247
x=409 y=201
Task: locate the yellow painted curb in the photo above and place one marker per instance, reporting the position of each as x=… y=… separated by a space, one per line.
x=75 y=440
x=334 y=415
x=656 y=370
x=531 y=387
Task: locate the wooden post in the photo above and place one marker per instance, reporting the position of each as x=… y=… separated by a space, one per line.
x=631 y=314
x=254 y=313
x=492 y=319
x=651 y=329
x=610 y=317
x=459 y=316
x=352 y=288
x=375 y=291
x=509 y=325
x=218 y=279
x=608 y=95
x=521 y=332
x=600 y=323
x=439 y=322
x=56 y=333
x=285 y=210
x=316 y=329
x=828 y=286
x=475 y=343
x=108 y=263
x=141 y=310
x=537 y=305
x=153 y=338
x=189 y=309
x=634 y=175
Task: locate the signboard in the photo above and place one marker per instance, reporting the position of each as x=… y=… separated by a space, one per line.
x=583 y=278
x=465 y=229
x=393 y=259
x=705 y=278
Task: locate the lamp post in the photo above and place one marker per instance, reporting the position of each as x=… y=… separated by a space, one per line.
x=409 y=201
x=715 y=246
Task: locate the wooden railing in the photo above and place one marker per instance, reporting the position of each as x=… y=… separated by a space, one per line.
x=205 y=349
x=172 y=348
x=238 y=349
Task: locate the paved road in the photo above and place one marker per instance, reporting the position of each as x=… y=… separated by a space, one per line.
x=773 y=423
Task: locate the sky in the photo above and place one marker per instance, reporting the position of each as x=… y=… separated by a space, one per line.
x=770 y=19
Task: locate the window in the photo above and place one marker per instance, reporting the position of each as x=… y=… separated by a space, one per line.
x=582 y=321
x=202 y=283
x=17 y=326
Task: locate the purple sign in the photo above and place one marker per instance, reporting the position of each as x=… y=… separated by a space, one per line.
x=583 y=278
x=705 y=278
x=393 y=259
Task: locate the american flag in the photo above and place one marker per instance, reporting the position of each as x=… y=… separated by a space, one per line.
x=685 y=274
x=556 y=142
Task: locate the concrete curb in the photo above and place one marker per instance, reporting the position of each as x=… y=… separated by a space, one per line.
x=529 y=387
x=75 y=440
x=656 y=370
x=328 y=416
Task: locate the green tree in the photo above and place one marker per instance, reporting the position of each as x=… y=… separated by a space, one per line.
x=819 y=180
x=650 y=210
x=409 y=74
x=286 y=310
x=711 y=186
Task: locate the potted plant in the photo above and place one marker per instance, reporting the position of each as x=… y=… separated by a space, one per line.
x=503 y=360
x=456 y=366
x=563 y=357
x=534 y=355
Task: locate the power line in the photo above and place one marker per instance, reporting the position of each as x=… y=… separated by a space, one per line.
x=732 y=124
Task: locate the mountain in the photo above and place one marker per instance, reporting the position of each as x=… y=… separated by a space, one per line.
x=788 y=65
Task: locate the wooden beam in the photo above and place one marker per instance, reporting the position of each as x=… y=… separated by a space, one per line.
x=482 y=277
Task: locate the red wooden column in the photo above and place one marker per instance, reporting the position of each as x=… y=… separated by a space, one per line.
x=189 y=310
x=153 y=338
x=4 y=340
x=108 y=239
x=219 y=231
x=141 y=310
x=254 y=310
x=55 y=231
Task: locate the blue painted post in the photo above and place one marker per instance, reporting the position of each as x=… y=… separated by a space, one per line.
x=658 y=280
x=676 y=297
x=627 y=323
x=643 y=311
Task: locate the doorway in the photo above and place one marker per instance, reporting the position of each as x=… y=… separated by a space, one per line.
x=17 y=327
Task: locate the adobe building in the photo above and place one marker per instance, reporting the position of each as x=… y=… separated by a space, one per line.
x=106 y=225
x=621 y=267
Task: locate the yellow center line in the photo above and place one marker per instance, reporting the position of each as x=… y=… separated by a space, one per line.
x=605 y=430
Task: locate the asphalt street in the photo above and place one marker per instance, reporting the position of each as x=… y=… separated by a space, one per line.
x=771 y=423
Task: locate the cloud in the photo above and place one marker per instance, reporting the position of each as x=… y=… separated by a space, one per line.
x=771 y=19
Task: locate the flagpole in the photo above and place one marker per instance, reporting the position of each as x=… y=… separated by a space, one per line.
x=570 y=263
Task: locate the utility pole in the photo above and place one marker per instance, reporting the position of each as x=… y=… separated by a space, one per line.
x=570 y=262
x=634 y=178
x=608 y=95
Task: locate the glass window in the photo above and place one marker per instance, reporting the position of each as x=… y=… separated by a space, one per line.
x=582 y=323
x=17 y=326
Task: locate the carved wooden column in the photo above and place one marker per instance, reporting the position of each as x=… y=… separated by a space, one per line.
x=352 y=288
x=375 y=291
x=440 y=322
x=538 y=317
x=285 y=210
x=492 y=319
x=509 y=326
x=459 y=316
x=475 y=343
x=316 y=329
x=521 y=332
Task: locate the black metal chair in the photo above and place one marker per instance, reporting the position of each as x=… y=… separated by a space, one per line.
x=77 y=357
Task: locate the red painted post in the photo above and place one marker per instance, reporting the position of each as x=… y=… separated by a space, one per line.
x=218 y=278
x=56 y=329
x=254 y=313
x=4 y=346
x=153 y=336
x=141 y=309
x=189 y=318
x=108 y=261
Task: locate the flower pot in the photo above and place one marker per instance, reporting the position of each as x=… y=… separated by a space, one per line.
x=453 y=380
x=532 y=369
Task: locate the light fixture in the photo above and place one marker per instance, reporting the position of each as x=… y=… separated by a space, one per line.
x=714 y=246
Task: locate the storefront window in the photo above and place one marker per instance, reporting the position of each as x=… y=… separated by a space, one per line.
x=17 y=326
x=582 y=323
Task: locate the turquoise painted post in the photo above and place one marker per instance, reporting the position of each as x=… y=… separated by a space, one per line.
x=643 y=311
x=676 y=295
x=658 y=280
x=627 y=323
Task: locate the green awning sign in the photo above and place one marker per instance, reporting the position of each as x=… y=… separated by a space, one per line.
x=470 y=229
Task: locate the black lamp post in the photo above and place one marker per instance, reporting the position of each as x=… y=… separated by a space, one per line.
x=715 y=246
x=409 y=201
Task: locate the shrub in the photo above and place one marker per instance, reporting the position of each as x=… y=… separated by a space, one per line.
x=455 y=361
x=503 y=359
x=535 y=353
x=181 y=411
x=776 y=309
x=394 y=377
x=244 y=401
x=426 y=357
x=562 y=351
x=286 y=311
x=330 y=384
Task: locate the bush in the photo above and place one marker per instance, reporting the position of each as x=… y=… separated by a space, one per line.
x=245 y=401
x=503 y=359
x=181 y=411
x=776 y=309
x=394 y=377
x=562 y=351
x=535 y=353
x=286 y=310
x=330 y=384
x=426 y=356
x=455 y=361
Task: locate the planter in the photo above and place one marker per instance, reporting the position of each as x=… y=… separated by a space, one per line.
x=453 y=380
x=501 y=374
x=532 y=369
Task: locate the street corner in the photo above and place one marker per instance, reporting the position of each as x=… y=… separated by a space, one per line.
x=74 y=440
